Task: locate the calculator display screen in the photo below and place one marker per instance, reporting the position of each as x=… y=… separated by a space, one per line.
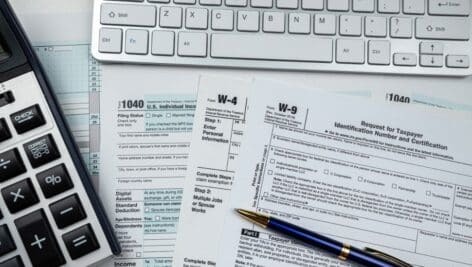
x=3 y=53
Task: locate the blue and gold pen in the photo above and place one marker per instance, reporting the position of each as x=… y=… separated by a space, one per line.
x=367 y=257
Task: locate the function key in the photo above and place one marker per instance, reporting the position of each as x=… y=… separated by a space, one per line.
x=19 y=195
x=27 y=119
x=11 y=164
x=80 y=241
x=6 y=98
x=67 y=211
x=6 y=241
x=4 y=131
x=54 y=181
x=13 y=262
x=41 y=151
x=38 y=239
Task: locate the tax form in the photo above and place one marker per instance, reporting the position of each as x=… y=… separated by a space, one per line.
x=222 y=109
x=396 y=179
x=144 y=148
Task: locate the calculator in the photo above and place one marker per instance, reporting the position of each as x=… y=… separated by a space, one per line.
x=50 y=214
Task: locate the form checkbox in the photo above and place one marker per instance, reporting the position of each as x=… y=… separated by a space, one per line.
x=138 y=254
x=394 y=186
x=326 y=171
x=270 y=172
x=157 y=218
x=360 y=178
x=148 y=115
x=146 y=209
x=168 y=115
x=428 y=193
x=272 y=161
x=266 y=194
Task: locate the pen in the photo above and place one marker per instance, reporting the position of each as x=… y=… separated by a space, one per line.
x=367 y=257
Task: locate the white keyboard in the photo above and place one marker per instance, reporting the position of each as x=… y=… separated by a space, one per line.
x=424 y=37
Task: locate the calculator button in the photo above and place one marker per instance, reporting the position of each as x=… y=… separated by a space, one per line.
x=6 y=241
x=54 y=181
x=6 y=98
x=41 y=151
x=80 y=241
x=4 y=131
x=19 y=195
x=27 y=119
x=39 y=240
x=67 y=211
x=11 y=164
x=13 y=262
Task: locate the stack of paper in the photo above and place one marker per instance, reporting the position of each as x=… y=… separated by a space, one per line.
x=392 y=177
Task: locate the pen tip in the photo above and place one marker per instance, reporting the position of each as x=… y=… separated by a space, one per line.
x=254 y=217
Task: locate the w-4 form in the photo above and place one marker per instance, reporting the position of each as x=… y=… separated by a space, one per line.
x=391 y=178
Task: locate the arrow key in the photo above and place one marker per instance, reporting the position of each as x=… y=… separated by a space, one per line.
x=404 y=59
x=431 y=61
x=457 y=61
x=431 y=48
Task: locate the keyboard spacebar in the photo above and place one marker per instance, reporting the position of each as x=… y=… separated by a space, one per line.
x=272 y=47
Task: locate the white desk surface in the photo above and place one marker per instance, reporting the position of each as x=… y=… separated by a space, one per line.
x=49 y=20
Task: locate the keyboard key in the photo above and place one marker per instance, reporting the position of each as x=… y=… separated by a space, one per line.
x=457 y=61
x=299 y=23
x=363 y=5
x=350 y=51
x=6 y=241
x=261 y=3
x=401 y=28
x=11 y=165
x=325 y=24
x=196 y=18
x=379 y=53
x=237 y=3
x=375 y=26
x=188 y=2
x=222 y=20
x=6 y=98
x=248 y=21
x=128 y=15
x=27 y=119
x=4 y=131
x=210 y=2
x=136 y=42
x=313 y=4
x=413 y=7
x=248 y=46
x=13 y=262
x=20 y=195
x=39 y=240
x=110 y=40
x=431 y=60
x=170 y=17
x=443 y=28
x=41 y=151
x=192 y=44
x=287 y=4
x=338 y=5
x=162 y=43
x=159 y=1
x=456 y=7
x=273 y=22
x=389 y=6
x=54 y=181
x=431 y=48
x=404 y=59
x=80 y=242
x=67 y=211
x=350 y=25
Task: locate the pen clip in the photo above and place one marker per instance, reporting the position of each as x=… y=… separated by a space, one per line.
x=387 y=257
